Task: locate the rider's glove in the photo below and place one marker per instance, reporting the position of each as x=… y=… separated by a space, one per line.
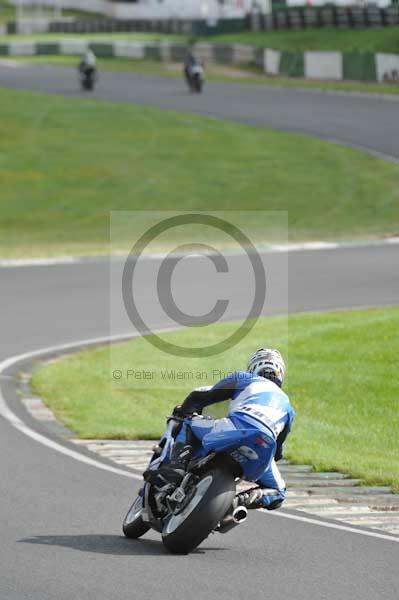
x=180 y=412
x=177 y=411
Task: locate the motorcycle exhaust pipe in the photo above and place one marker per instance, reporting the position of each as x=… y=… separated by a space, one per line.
x=232 y=519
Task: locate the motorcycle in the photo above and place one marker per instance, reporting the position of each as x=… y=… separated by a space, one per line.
x=88 y=77
x=195 y=77
x=205 y=501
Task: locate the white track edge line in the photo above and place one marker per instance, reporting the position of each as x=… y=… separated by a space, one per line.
x=334 y=526
x=273 y=248
x=16 y=422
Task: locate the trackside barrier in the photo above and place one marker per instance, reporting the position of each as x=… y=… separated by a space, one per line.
x=295 y=17
x=342 y=17
x=198 y=27
x=333 y=66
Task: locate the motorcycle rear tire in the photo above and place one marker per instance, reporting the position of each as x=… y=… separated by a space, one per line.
x=198 y=84
x=183 y=532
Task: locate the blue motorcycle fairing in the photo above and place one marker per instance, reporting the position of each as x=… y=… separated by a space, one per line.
x=249 y=442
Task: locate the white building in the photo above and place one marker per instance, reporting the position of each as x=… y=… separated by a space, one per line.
x=158 y=9
x=211 y=10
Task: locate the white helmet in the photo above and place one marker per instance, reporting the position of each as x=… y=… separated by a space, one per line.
x=267 y=363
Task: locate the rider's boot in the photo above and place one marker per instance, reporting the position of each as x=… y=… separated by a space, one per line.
x=261 y=498
x=251 y=498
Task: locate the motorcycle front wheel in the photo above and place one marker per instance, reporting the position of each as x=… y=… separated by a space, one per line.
x=214 y=494
x=198 y=84
x=133 y=524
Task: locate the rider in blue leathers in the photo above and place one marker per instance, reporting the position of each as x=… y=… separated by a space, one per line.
x=255 y=398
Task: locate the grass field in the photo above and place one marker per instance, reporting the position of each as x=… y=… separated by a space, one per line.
x=213 y=72
x=7 y=12
x=343 y=382
x=59 y=179
x=385 y=39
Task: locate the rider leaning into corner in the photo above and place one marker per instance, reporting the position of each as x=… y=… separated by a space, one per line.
x=255 y=398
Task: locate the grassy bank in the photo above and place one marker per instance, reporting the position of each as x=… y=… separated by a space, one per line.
x=7 y=11
x=67 y=162
x=343 y=382
x=214 y=72
x=384 y=39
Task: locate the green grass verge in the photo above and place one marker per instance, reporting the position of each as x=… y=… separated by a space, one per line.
x=7 y=11
x=384 y=39
x=65 y=163
x=344 y=384
x=214 y=72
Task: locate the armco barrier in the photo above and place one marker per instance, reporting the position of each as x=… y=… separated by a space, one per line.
x=333 y=66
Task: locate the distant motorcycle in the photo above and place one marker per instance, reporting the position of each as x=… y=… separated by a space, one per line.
x=88 y=78
x=195 y=77
x=205 y=500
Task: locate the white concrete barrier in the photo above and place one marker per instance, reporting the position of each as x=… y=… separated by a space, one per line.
x=271 y=61
x=323 y=65
x=387 y=67
x=73 y=46
x=165 y=51
x=22 y=48
x=128 y=49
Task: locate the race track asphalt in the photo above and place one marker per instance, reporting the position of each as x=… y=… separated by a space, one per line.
x=61 y=519
x=368 y=122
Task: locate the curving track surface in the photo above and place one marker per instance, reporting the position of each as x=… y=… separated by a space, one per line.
x=351 y=119
x=60 y=519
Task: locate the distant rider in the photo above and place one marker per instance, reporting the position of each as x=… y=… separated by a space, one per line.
x=255 y=397
x=88 y=62
x=189 y=63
